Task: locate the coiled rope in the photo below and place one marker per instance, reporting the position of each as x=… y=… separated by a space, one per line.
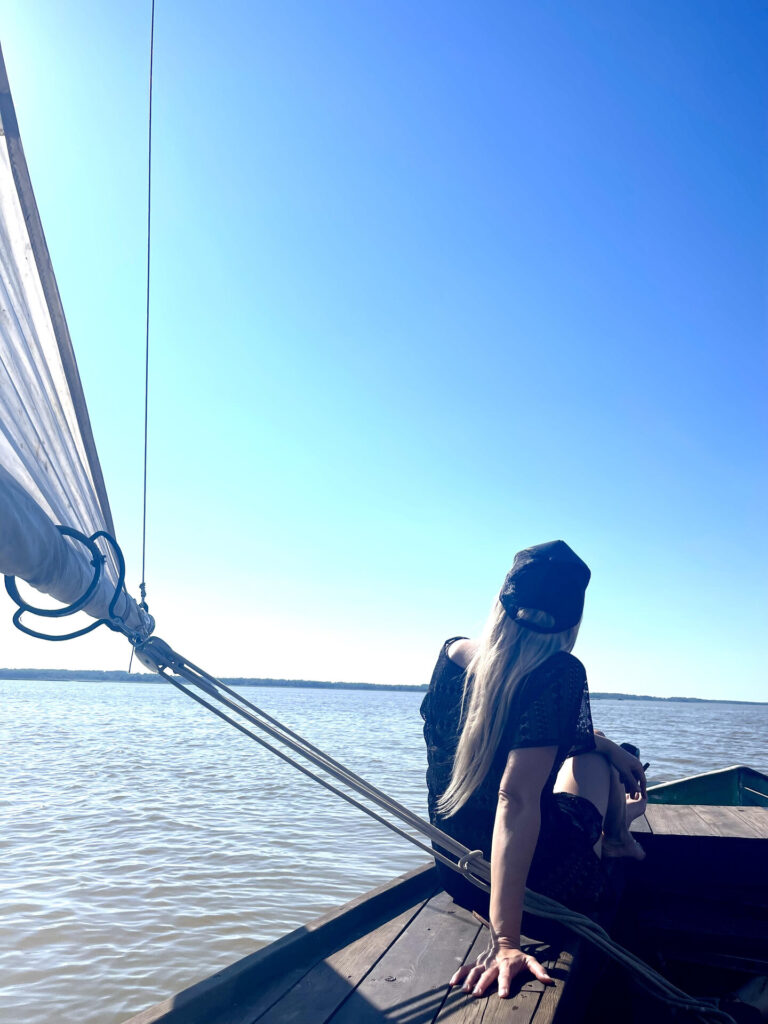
x=156 y=655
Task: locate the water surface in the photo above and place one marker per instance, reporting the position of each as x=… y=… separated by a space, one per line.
x=146 y=844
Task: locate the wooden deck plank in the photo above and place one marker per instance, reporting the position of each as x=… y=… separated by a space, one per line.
x=520 y=1008
x=755 y=818
x=676 y=820
x=251 y=985
x=532 y=1002
x=410 y=982
x=758 y=819
x=729 y=821
x=640 y=824
x=264 y=995
x=460 y=1008
x=325 y=987
x=559 y=971
x=708 y=820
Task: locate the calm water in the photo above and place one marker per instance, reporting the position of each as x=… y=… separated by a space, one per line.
x=146 y=844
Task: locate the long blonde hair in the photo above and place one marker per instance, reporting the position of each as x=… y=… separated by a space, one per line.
x=506 y=654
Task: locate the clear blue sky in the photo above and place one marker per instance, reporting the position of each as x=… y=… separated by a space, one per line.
x=431 y=282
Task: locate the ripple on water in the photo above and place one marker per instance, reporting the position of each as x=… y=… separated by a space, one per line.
x=146 y=845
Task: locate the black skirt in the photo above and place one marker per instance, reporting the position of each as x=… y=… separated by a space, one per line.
x=565 y=866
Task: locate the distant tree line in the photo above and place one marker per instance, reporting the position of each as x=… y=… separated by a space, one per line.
x=95 y=676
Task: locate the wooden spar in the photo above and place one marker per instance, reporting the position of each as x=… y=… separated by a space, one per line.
x=9 y=127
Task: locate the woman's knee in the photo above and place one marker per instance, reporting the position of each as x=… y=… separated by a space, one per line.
x=586 y=775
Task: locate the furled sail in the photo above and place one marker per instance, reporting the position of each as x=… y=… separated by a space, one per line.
x=49 y=468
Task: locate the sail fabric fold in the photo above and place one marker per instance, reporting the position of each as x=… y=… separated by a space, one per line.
x=34 y=550
x=46 y=443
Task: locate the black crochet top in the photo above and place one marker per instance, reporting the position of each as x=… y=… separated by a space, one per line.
x=551 y=710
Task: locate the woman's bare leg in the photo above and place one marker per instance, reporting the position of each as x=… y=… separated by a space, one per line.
x=587 y=776
x=621 y=810
x=591 y=776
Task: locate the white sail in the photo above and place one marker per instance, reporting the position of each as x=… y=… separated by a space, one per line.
x=49 y=468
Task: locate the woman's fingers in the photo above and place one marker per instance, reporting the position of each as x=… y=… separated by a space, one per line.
x=508 y=969
x=485 y=980
x=537 y=970
x=506 y=974
x=459 y=976
x=472 y=971
x=630 y=785
x=630 y=769
x=473 y=978
x=636 y=783
x=479 y=978
x=642 y=781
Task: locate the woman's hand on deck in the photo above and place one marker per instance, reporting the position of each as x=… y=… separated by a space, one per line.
x=501 y=962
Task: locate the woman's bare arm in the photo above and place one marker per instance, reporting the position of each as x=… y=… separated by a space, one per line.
x=515 y=832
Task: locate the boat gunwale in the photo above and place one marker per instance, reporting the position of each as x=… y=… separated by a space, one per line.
x=656 y=793
x=311 y=942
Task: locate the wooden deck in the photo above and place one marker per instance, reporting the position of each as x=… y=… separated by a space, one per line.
x=386 y=957
x=704 y=820
x=701 y=896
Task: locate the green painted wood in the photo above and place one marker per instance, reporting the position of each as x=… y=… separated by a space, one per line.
x=736 y=786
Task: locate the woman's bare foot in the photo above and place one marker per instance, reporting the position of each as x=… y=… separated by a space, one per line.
x=623 y=846
x=636 y=805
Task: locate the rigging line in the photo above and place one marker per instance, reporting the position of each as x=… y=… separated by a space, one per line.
x=143 y=585
x=299 y=745
x=535 y=903
x=305 y=771
x=303 y=747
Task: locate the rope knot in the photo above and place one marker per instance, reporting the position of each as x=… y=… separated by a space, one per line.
x=469 y=862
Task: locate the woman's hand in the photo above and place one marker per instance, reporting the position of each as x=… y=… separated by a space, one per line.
x=502 y=961
x=629 y=768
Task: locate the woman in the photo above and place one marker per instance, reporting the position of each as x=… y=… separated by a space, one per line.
x=515 y=768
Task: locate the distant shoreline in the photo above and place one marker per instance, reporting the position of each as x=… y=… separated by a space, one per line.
x=95 y=676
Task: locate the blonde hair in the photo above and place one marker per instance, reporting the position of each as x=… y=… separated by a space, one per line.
x=506 y=654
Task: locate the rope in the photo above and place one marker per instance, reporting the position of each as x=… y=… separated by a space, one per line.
x=159 y=657
x=143 y=585
x=111 y=620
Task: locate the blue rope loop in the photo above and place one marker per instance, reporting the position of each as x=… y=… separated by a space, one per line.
x=113 y=621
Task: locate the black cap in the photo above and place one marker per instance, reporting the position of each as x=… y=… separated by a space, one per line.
x=550 y=578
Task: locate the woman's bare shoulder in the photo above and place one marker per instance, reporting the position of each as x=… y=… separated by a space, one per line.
x=462 y=651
